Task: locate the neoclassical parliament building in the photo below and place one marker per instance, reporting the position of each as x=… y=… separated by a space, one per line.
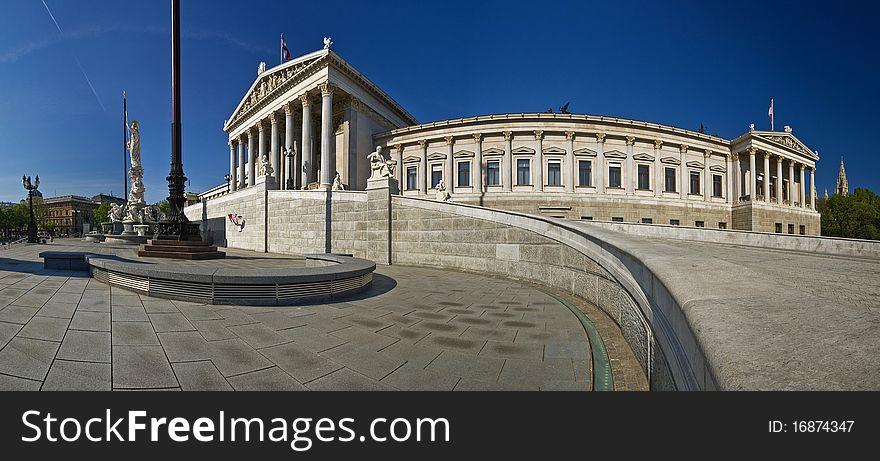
x=316 y=116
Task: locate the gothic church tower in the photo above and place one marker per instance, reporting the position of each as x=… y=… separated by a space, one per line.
x=842 y=185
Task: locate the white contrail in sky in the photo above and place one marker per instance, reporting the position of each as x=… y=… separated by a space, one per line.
x=79 y=64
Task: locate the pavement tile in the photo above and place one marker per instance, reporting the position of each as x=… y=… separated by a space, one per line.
x=17 y=314
x=134 y=334
x=14 y=383
x=125 y=313
x=58 y=310
x=234 y=357
x=312 y=339
x=78 y=376
x=347 y=380
x=27 y=358
x=412 y=377
x=213 y=330
x=171 y=321
x=258 y=335
x=141 y=367
x=200 y=376
x=48 y=328
x=185 y=346
x=91 y=321
x=270 y=379
x=86 y=346
x=300 y=362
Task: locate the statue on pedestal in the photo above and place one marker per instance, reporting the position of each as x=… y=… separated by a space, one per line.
x=380 y=167
x=443 y=195
x=337 y=183
x=265 y=167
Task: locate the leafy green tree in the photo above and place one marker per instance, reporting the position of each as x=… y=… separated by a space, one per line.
x=853 y=216
x=102 y=213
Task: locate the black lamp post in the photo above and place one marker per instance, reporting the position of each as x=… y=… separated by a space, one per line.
x=228 y=180
x=176 y=226
x=31 y=187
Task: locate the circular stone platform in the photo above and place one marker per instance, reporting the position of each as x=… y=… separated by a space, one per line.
x=239 y=280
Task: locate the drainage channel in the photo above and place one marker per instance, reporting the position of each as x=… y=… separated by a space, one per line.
x=602 y=378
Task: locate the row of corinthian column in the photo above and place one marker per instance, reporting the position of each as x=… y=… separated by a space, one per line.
x=789 y=198
x=243 y=166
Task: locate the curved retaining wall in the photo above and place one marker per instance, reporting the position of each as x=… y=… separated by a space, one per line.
x=426 y=232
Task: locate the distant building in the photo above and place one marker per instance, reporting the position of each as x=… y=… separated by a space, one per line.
x=842 y=184
x=71 y=214
x=6 y=205
x=104 y=198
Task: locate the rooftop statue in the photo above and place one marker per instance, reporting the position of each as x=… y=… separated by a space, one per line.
x=327 y=43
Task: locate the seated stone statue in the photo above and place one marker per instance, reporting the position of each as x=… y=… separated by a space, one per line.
x=379 y=166
x=337 y=183
x=443 y=195
x=265 y=167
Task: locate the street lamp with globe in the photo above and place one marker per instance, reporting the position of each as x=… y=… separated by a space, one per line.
x=31 y=187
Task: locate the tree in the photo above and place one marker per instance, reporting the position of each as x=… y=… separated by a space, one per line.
x=852 y=216
x=102 y=213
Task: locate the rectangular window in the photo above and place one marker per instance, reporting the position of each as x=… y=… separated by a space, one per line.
x=722 y=225
x=616 y=219
x=670 y=180
x=554 y=173
x=674 y=222
x=412 y=178
x=791 y=228
x=614 y=179
x=695 y=183
x=647 y=221
x=523 y=175
x=436 y=175
x=644 y=177
x=779 y=228
x=585 y=173
x=803 y=229
x=464 y=174
x=700 y=223
x=493 y=173
x=716 y=185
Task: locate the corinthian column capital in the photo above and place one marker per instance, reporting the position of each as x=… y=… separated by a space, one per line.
x=288 y=108
x=478 y=137
x=683 y=148
x=423 y=143
x=600 y=137
x=539 y=135
x=326 y=88
x=508 y=135
x=569 y=135
x=630 y=140
x=449 y=140
x=304 y=99
x=658 y=144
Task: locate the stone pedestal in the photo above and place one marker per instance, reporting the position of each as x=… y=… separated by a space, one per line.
x=106 y=227
x=141 y=229
x=384 y=183
x=379 y=192
x=116 y=228
x=128 y=228
x=269 y=181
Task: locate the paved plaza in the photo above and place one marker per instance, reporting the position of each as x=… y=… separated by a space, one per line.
x=417 y=329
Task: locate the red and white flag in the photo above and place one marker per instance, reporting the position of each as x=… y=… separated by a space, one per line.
x=770 y=114
x=285 y=53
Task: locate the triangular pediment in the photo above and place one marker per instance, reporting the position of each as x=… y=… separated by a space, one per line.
x=615 y=154
x=585 y=152
x=493 y=151
x=523 y=150
x=718 y=168
x=437 y=156
x=643 y=157
x=671 y=160
x=786 y=139
x=553 y=150
x=271 y=81
x=694 y=164
x=463 y=153
x=411 y=159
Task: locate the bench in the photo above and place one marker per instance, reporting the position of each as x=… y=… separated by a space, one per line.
x=65 y=260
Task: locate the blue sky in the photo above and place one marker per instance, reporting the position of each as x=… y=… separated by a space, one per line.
x=677 y=63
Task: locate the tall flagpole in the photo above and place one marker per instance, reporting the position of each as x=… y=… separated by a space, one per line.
x=124 y=148
x=281 y=50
